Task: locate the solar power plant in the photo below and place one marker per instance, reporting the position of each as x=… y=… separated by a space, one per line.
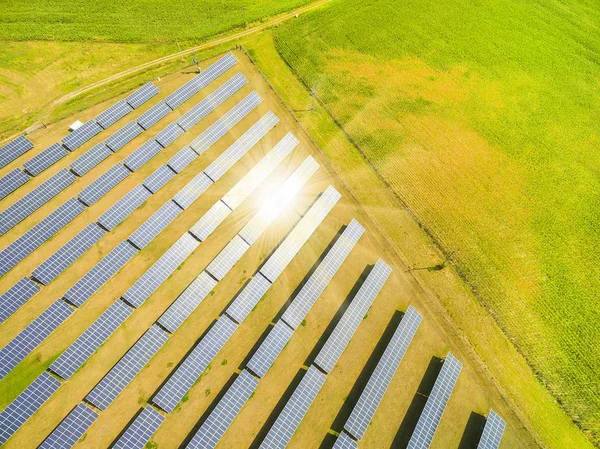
x=371 y=397
x=187 y=302
x=123 y=136
x=91 y=282
x=224 y=413
x=210 y=221
x=30 y=337
x=141 y=430
x=210 y=103
x=58 y=262
x=81 y=135
x=160 y=270
x=182 y=159
x=200 y=81
x=345 y=328
x=104 y=184
x=284 y=254
x=14 y=149
x=142 y=95
x=227 y=258
x=186 y=374
x=45 y=159
x=39 y=234
x=88 y=342
x=260 y=171
x=154 y=225
x=127 y=368
x=240 y=147
x=35 y=199
x=492 y=432
x=16 y=296
x=26 y=404
x=12 y=181
x=343 y=441
x=113 y=114
x=124 y=207
x=192 y=190
x=143 y=154
x=231 y=118
x=90 y=159
x=248 y=298
x=168 y=135
x=292 y=414
x=270 y=348
x=158 y=178
x=436 y=403
x=71 y=429
x=153 y=115
x=318 y=281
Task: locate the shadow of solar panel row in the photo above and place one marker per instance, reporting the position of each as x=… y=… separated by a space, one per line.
x=14 y=149
x=292 y=414
x=344 y=441
x=210 y=221
x=142 y=95
x=155 y=224
x=124 y=207
x=192 y=190
x=248 y=298
x=270 y=348
x=100 y=273
x=104 y=184
x=30 y=337
x=39 y=234
x=436 y=403
x=113 y=114
x=182 y=159
x=492 y=432
x=94 y=336
x=123 y=136
x=200 y=81
x=153 y=115
x=16 y=296
x=224 y=413
x=12 y=181
x=158 y=178
x=71 y=429
x=322 y=276
x=127 y=368
x=353 y=316
x=141 y=430
x=45 y=159
x=186 y=374
x=386 y=368
x=227 y=258
x=160 y=270
x=90 y=159
x=81 y=135
x=26 y=404
x=168 y=135
x=143 y=154
x=35 y=199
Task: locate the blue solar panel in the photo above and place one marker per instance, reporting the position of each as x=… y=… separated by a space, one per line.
x=142 y=95
x=45 y=159
x=270 y=348
x=12 y=181
x=153 y=115
x=141 y=430
x=168 y=135
x=492 y=432
x=154 y=225
x=158 y=178
x=124 y=207
x=182 y=159
x=113 y=114
x=344 y=441
x=241 y=307
x=16 y=296
x=90 y=159
x=123 y=136
x=81 y=135
x=104 y=184
x=192 y=190
x=14 y=149
x=142 y=155
x=71 y=429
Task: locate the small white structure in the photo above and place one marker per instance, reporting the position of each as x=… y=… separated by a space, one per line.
x=75 y=125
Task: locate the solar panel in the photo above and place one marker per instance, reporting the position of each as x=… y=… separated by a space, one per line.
x=227 y=258
x=436 y=403
x=16 y=296
x=141 y=430
x=14 y=149
x=343 y=441
x=292 y=414
x=127 y=368
x=210 y=221
x=100 y=273
x=182 y=159
x=371 y=397
x=154 y=225
x=168 y=135
x=270 y=348
x=90 y=159
x=160 y=270
x=492 y=432
x=113 y=114
x=240 y=147
x=318 y=281
x=81 y=135
x=12 y=181
x=26 y=404
x=71 y=429
x=88 y=342
x=225 y=412
x=248 y=298
x=187 y=302
x=35 y=199
x=123 y=136
x=353 y=316
x=153 y=115
x=142 y=95
x=260 y=171
x=143 y=154
x=45 y=159
x=30 y=337
x=104 y=184
x=39 y=234
x=192 y=367
x=192 y=190
x=124 y=207
x=158 y=178
x=288 y=249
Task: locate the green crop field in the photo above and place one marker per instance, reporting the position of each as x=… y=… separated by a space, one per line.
x=483 y=118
